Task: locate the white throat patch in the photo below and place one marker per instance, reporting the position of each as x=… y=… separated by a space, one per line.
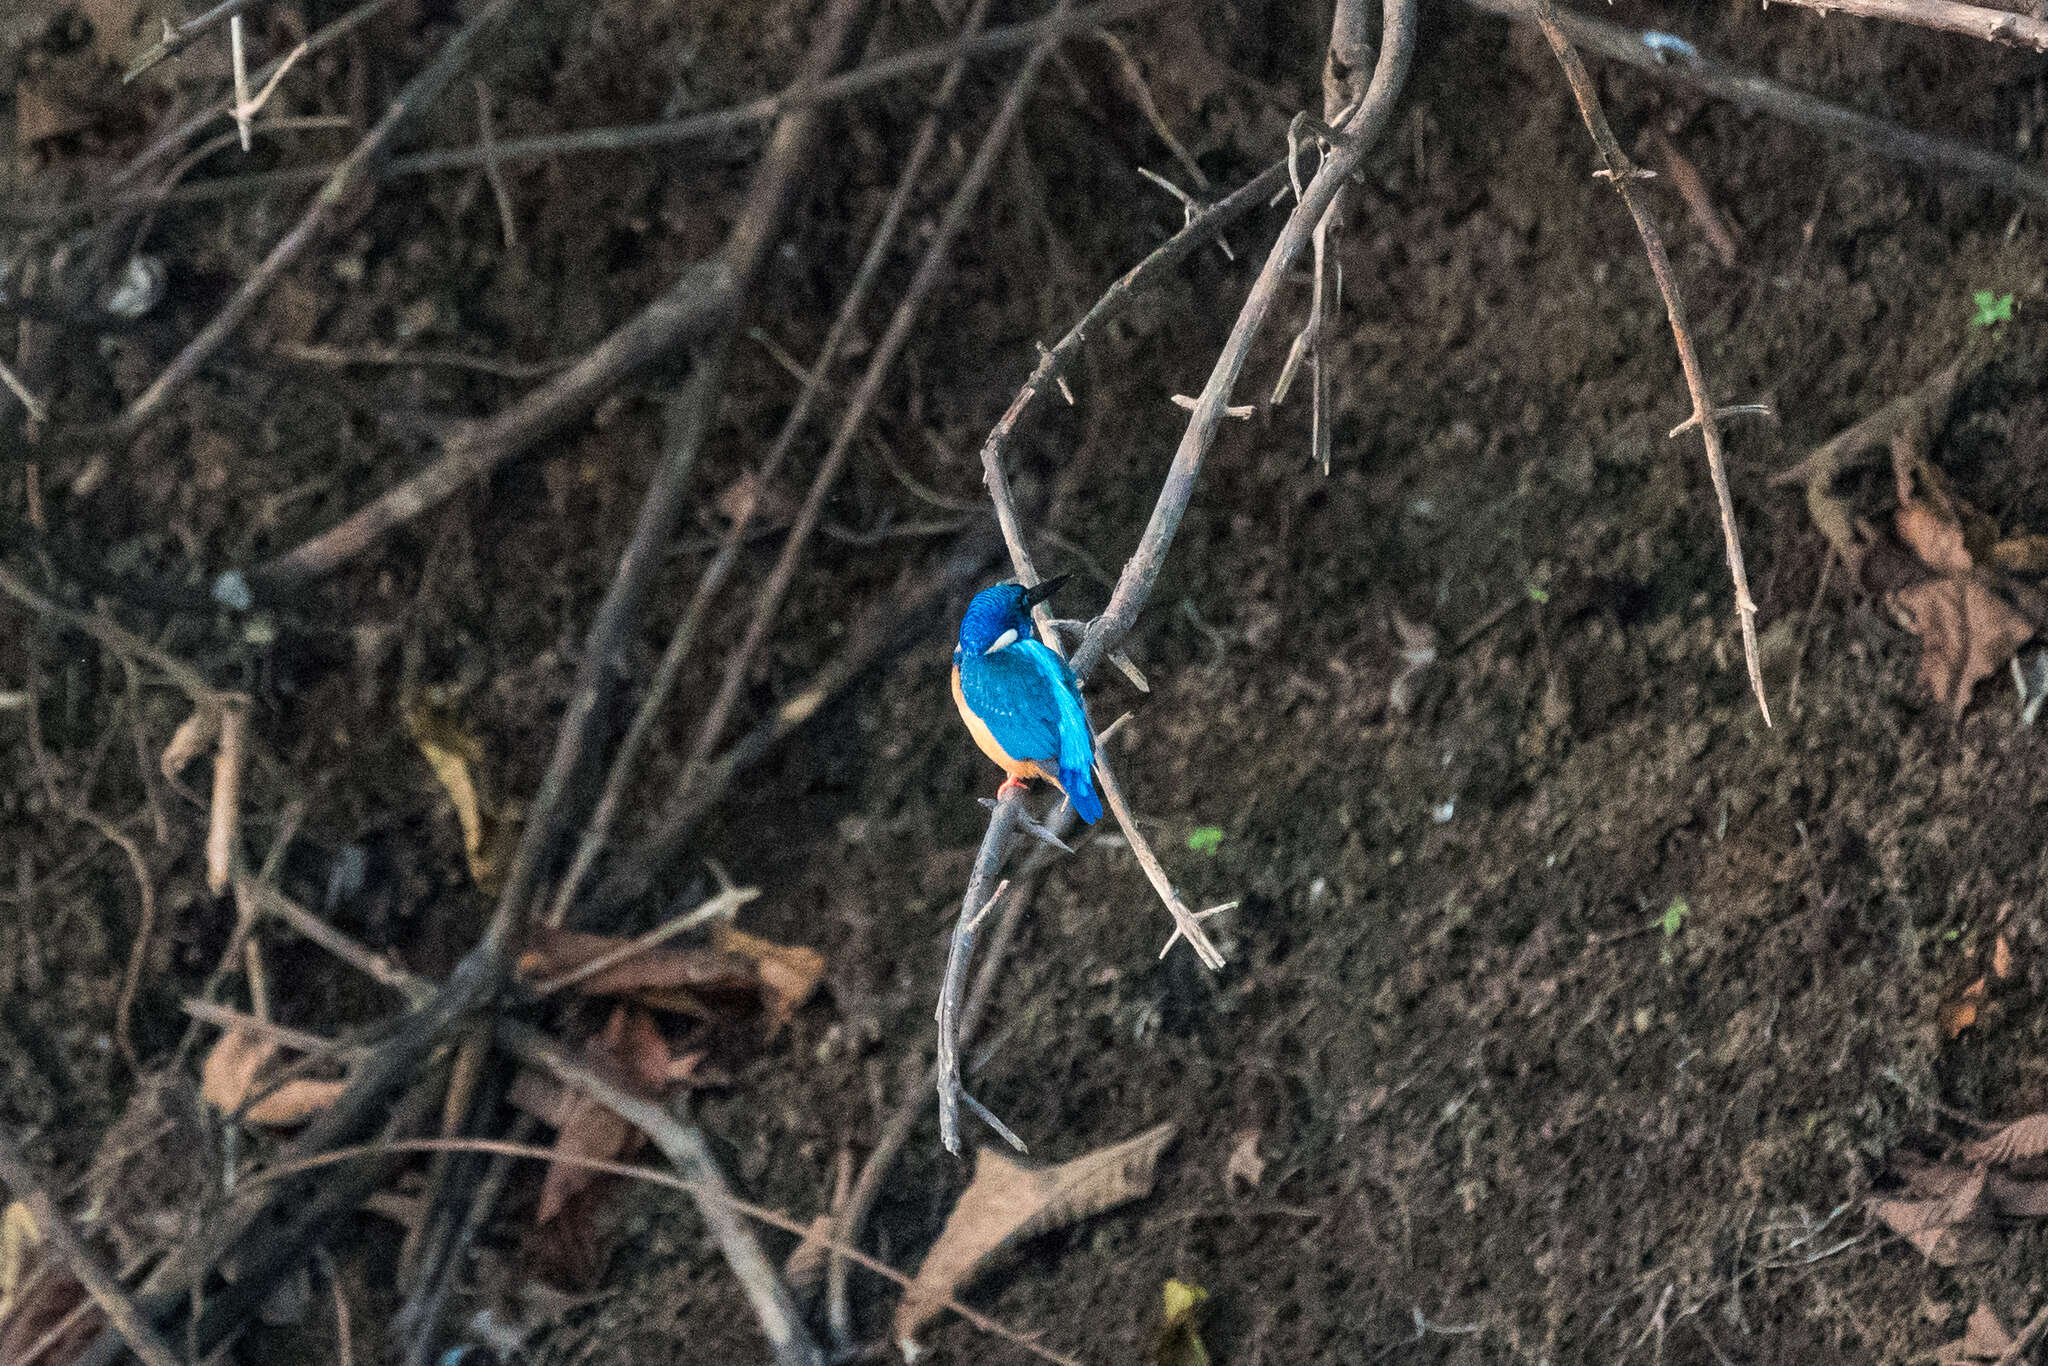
x=1003 y=641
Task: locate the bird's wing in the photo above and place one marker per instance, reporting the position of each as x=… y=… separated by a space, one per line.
x=1076 y=741
x=1011 y=698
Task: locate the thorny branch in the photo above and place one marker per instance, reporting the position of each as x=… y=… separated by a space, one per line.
x=1134 y=586
x=1976 y=21
x=1621 y=172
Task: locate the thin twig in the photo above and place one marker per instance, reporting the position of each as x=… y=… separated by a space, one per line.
x=599 y=829
x=701 y=303
x=759 y=1213
x=2024 y=1343
x=116 y=638
x=36 y=411
x=127 y=1320
x=261 y=898
x=1621 y=173
x=768 y=601
x=351 y=175
x=494 y=169
x=628 y=138
x=1975 y=21
x=343 y=357
x=176 y=40
x=1697 y=70
x=684 y=1145
x=1186 y=923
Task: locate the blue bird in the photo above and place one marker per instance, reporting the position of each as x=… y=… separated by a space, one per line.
x=1019 y=699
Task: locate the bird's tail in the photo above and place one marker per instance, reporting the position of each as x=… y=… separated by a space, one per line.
x=1079 y=785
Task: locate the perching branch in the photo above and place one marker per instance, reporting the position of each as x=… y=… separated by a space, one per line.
x=1975 y=21
x=1141 y=571
x=1623 y=175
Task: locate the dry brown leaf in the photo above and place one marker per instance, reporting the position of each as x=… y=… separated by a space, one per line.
x=1935 y=539
x=35 y=1296
x=2001 y=958
x=633 y=1054
x=789 y=972
x=1947 y=1230
x=1967 y=633
x=228 y=1077
x=705 y=983
x=1245 y=1168
x=1959 y=1014
x=2020 y=1141
x=42 y=112
x=1984 y=1339
x=1009 y=1202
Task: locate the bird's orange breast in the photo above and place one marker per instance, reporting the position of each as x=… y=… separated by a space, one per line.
x=1016 y=768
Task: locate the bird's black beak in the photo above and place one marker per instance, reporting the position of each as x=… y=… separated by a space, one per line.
x=1035 y=595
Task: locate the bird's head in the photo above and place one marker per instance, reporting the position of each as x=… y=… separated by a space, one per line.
x=1000 y=615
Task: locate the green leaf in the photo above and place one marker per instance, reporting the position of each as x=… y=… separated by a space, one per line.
x=1539 y=596
x=1179 y=1344
x=1206 y=839
x=1673 y=919
x=1991 y=308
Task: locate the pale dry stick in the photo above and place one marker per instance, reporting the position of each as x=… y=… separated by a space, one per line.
x=29 y=402
x=298 y=1040
x=353 y=173
x=264 y=899
x=224 y=820
x=344 y=1333
x=598 y=831
x=238 y=57
x=699 y=306
x=494 y=171
x=896 y=1130
x=344 y=357
x=724 y=906
x=634 y=137
x=759 y=1213
x=684 y=1145
x=1974 y=21
x=768 y=601
x=1361 y=132
x=172 y=139
x=1695 y=70
x=1621 y=173
x=116 y=638
x=1186 y=923
x=106 y=1292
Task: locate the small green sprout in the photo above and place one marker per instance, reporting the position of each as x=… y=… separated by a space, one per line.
x=1673 y=919
x=1205 y=839
x=1539 y=596
x=1991 y=308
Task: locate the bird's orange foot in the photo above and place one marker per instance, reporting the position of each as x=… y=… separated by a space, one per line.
x=1011 y=784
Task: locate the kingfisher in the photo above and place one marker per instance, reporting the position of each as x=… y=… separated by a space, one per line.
x=1019 y=698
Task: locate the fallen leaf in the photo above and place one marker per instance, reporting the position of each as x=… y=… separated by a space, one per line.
x=19 y=1239
x=1179 y=1344
x=1967 y=632
x=228 y=1078
x=42 y=113
x=1245 y=1167
x=36 y=1296
x=2001 y=958
x=706 y=983
x=452 y=754
x=1984 y=1339
x=632 y=1053
x=1959 y=1014
x=2020 y=1141
x=1947 y=1230
x=789 y=973
x=1009 y=1202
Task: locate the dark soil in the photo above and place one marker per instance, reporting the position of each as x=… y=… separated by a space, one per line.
x=1575 y=1013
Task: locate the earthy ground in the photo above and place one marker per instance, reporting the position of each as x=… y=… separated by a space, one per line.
x=1510 y=1103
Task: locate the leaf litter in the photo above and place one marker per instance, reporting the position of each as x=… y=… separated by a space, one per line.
x=1009 y=1202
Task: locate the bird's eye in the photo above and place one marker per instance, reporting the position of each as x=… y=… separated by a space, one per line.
x=1007 y=638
